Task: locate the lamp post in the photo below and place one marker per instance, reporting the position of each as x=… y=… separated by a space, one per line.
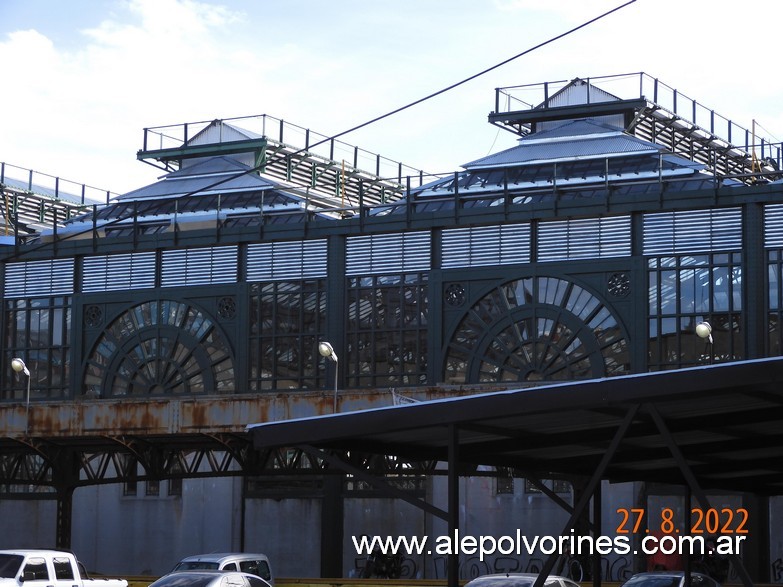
x=18 y=365
x=326 y=350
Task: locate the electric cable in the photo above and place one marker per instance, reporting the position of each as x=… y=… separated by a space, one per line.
x=350 y=130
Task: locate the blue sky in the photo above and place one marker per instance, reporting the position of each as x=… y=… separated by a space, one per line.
x=83 y=78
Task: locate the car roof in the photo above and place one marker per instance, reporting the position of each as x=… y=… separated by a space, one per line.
x=526 y=575
x=509 y=577
x=219 y=557
x=211 y=573
x=663 y=574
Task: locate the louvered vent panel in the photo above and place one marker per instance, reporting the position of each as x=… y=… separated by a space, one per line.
x=286 y=260
x=117 y=272
x=486 y=245
x=206 y=266
x=584 y=238
x=773 y=225
x=692 y=231
x=38 y=278
x=388 y=253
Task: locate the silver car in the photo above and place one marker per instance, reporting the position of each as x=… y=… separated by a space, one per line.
x=247 y=562
x=669 y=579
x=519 y=580
x=211 y=578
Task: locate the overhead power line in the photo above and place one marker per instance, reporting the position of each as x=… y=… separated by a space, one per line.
x=373 y=120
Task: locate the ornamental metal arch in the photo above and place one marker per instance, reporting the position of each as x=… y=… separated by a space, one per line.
x=159 y=348
x=537 y=328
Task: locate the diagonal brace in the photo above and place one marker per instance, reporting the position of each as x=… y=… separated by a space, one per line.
x=374 y=480
x=590 y=488
x=690 y=479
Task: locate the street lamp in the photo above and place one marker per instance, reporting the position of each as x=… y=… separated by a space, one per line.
x=18 y=365
x=704 y=330
x=327 y=351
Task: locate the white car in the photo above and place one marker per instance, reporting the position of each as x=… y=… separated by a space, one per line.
x=211 y=578
x=519 y=580
x=253 y=563
x=669 y=579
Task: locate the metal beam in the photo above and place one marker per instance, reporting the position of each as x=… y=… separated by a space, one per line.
x=374 y=480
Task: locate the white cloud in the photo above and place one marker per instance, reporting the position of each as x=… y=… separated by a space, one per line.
x=77 y=107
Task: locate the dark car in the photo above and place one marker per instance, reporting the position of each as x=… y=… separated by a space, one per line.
x=669 y=579
x=519 y=580
x=211 y=578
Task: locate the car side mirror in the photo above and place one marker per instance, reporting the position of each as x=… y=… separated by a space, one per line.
x=27 y=576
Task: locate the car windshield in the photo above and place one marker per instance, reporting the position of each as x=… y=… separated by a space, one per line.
x=184 y=580
x=663 y=581
x=196 y=566
x=509 y=581
x=9 y=565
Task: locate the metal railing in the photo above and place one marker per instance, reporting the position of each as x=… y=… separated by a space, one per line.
x=284 y=133
x=50 y=186
x=454 y=193
x=641 y=86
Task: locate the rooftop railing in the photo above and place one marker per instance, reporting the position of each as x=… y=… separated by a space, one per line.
x=640 y=86
x=605 y=182
x=50 y=186
x=284 y=133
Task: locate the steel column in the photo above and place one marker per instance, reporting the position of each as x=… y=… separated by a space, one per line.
x=452 y=572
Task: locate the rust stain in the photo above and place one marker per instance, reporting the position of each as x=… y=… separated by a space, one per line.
x=195 y=415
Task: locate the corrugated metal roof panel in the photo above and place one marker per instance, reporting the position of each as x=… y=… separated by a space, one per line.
x=567 y=146
x=221 y=132
x=197 y=179
x=579 y=92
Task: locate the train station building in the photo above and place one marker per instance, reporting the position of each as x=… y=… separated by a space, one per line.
x=288 y=341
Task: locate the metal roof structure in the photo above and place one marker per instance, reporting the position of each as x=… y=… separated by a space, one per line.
x=31 y=201
x=326 y=170
x=724 y=420
x=711 y=428
x=586 y=251
x=654 y=112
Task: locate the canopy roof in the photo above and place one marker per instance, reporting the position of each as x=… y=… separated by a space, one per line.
x=721 y=423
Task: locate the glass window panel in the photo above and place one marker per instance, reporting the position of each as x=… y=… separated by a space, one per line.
x=702 y=290
x=687 y=287
x=773 y=275
x=652 y=290
x=668 y=261
x=688 y=260
x=736 y=288
x=668 y=292
x=720 y=289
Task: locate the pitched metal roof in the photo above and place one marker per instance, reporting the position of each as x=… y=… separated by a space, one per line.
x=724 y=420
x=200 y=178
x=577 y=139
